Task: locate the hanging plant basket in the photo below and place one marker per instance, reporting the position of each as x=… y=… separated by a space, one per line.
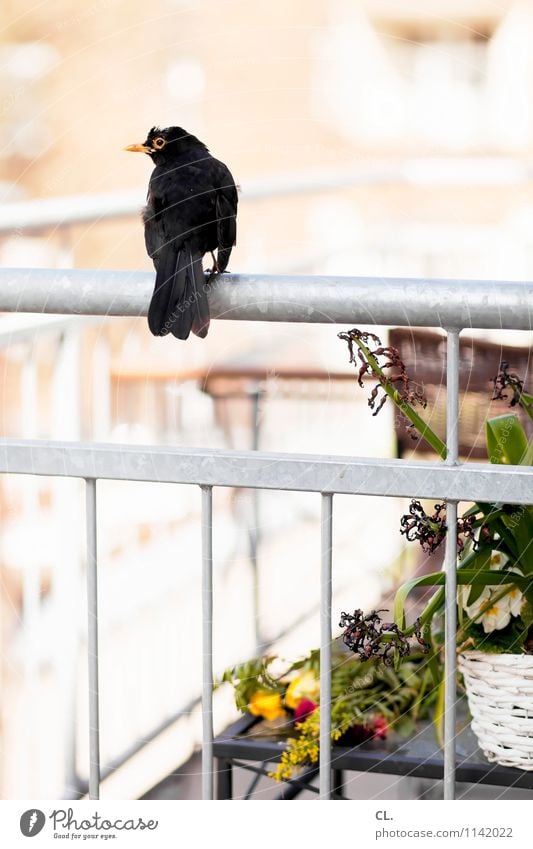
x=499 y=688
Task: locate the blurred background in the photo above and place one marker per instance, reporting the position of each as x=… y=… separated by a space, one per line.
x=368 y=138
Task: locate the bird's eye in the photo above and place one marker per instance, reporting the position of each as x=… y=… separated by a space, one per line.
x=159 y=143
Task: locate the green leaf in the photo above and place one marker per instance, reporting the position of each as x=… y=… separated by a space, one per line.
x=494 y=577
x=435 y=667
x=438 y=717
x=478 y=560
x=506 y=440
x=507 y=537
x=526 y=614
x=528 y=459
x=404 y=726
x=475 y=592
x=519 y=524
x=526 y=402
x=483 y=578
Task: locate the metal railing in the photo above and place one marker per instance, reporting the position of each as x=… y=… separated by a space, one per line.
x=42 y=214
x=451 y=305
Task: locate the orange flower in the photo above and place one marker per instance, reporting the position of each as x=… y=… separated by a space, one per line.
x=267 y=704
x=305 y=686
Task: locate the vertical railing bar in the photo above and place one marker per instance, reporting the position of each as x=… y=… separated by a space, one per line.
x=325 y=645
x=450 y=566
x=92 y=639
x=256 y=396
x=207 y=643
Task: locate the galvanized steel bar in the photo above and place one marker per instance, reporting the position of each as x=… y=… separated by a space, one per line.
x=452 y=397
x=298 y=473
x=38 y=214
x=325 y=645
x=207 y=643
x=259 y=297
x=92 y=640
x=450 y=626
x=450 y=565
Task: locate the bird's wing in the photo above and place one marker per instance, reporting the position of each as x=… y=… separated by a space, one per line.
x=226 y=214
x=154 y=224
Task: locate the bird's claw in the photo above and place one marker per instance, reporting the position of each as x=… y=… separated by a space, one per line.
x=215 y=269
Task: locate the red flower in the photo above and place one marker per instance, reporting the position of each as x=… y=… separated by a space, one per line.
x=303 y=709
x=375 y=729
x=381 y=728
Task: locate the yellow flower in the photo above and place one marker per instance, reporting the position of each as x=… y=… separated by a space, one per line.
x=305 y=686
x=267 y=704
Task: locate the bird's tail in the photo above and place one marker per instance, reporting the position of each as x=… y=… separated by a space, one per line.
x=179 y=303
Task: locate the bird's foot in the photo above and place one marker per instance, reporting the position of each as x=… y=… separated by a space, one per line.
x=215 y=269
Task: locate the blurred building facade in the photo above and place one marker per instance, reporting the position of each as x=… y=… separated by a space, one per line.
x=426 y=107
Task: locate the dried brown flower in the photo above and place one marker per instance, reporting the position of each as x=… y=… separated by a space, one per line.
x=388 y=360
x=369 y=637
x=431 y=530
x=507 y=380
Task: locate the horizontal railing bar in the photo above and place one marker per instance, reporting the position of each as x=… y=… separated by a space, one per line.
x=261 y=470
x=37 y=214
x=24 y=328
x=257 y=297
x=40 y=214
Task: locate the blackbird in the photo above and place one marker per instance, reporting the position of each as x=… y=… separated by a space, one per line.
x=191 y=209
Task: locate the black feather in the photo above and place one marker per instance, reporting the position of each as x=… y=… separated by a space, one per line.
x=168 y=290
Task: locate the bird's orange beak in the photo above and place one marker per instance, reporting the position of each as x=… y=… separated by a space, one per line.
x=138 y=148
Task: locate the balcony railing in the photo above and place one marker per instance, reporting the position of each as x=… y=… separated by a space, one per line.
x=42 y=214
x=450 y=304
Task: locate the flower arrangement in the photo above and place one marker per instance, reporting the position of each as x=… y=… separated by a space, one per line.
x=368 y=699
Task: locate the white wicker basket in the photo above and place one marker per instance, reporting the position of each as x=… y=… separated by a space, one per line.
x=500 y=696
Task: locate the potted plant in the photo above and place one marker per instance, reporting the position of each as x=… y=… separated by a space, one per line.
x=386 y=684
x=494 y=569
